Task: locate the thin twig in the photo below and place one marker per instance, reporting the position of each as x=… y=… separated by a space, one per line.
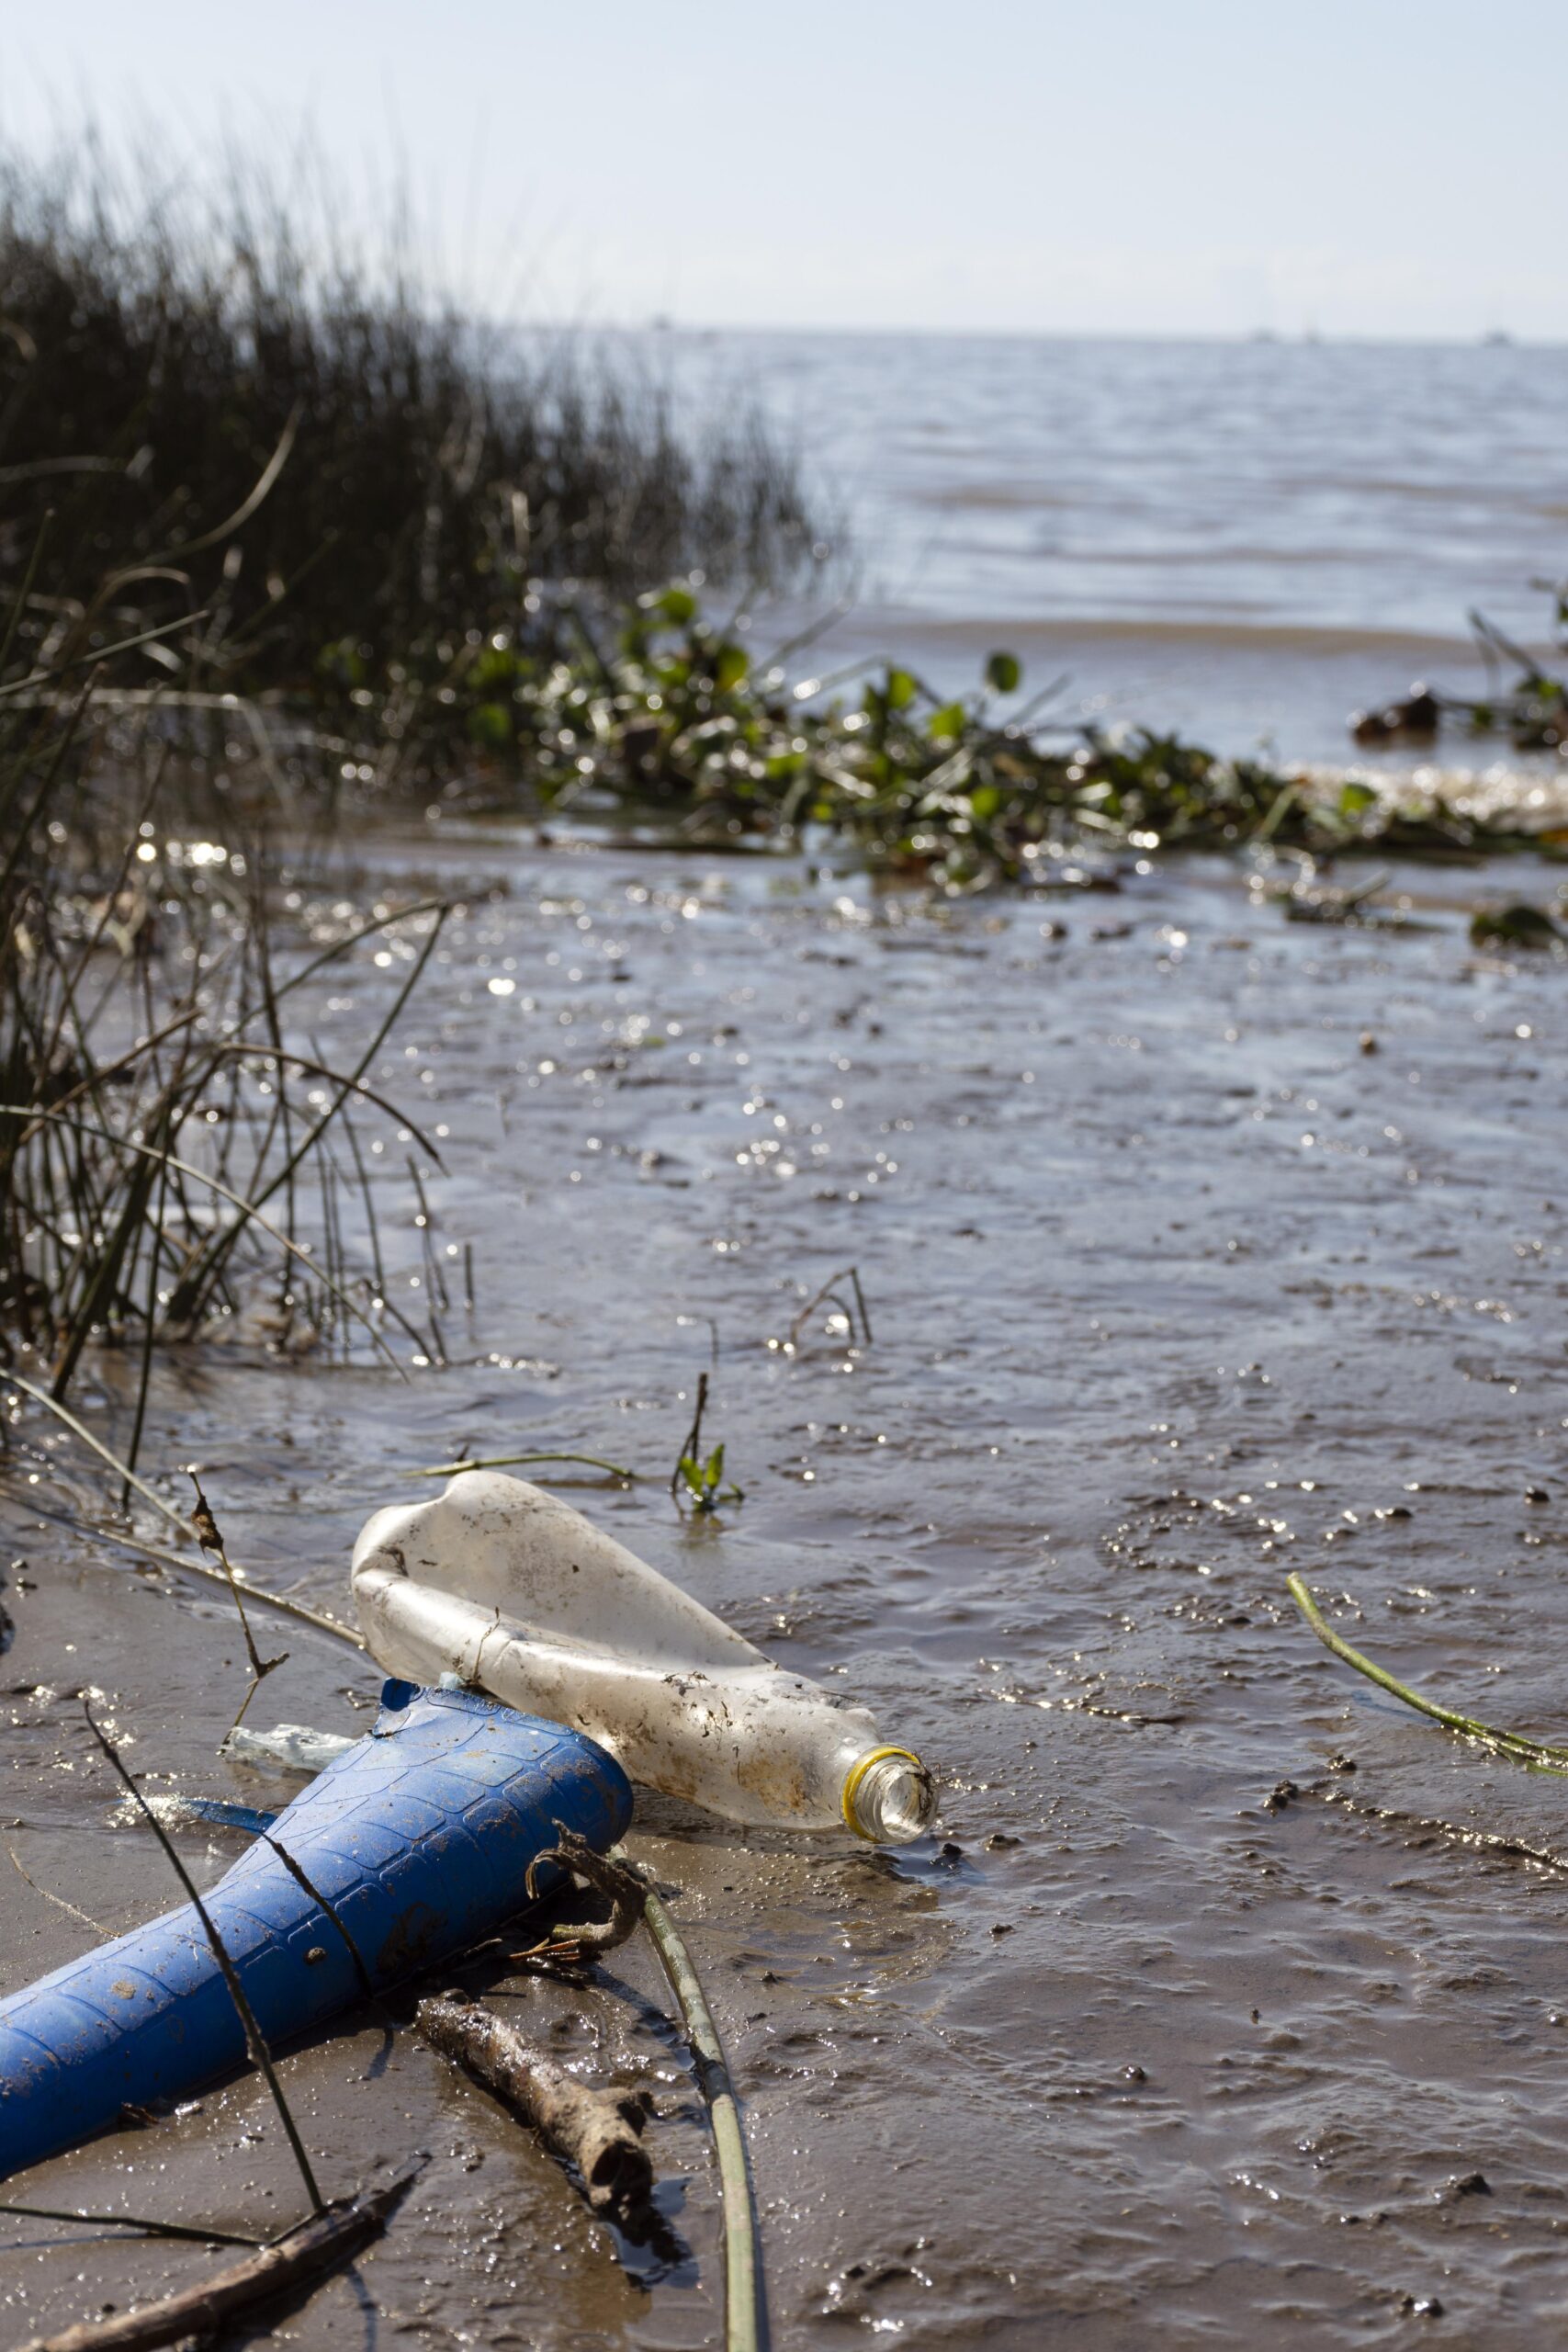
x=310 y=2252
x=297 y=1872
x=826 y=1296
x=256 y=1592
x=58 y=1900
x=506 y=1461
x=210 y=1536
x=132 y=2222
x=260 y=2054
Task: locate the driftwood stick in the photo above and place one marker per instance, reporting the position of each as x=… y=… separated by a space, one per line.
x=598 y=2131
x=303 y=2256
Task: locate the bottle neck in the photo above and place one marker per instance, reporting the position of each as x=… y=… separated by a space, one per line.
x=888 y=1796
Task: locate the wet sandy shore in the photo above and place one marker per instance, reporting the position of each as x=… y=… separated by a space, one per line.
x=1173 y=1287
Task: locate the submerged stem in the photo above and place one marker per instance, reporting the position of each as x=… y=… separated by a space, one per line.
x=744 y=2328
x=1516 y=1744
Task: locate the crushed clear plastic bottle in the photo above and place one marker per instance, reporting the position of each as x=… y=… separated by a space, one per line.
x=513 y=1592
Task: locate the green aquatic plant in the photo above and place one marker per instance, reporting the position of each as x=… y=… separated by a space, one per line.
x=665 y=720
x=1516 y=1745
x=705 y=1484
x=1516 y=925
x=697 y=1480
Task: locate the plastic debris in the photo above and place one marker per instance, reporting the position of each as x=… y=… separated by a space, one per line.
x=508 y=1589
x=295 y=1746
x=415 y=1844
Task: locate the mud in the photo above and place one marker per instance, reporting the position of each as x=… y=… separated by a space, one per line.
x=1197 y=1245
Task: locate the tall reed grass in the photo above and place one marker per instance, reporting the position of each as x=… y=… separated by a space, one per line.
x=176 y=1153
x=167 y=362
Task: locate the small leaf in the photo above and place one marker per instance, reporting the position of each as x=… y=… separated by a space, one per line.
x=676 y=606
x=715 y=1470
x=1003 y=673
x=1355 y=799
x=730 y=665
x=900 y=689
x=946 y=724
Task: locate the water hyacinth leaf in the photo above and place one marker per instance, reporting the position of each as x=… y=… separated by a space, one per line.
x=1003 y=671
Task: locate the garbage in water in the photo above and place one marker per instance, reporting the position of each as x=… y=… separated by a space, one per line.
x=295 y=1746
x=415 y=1843
x=509 y=1588
x=598 y=2131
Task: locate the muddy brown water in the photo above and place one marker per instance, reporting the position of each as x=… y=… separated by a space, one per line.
x=1173 y=1287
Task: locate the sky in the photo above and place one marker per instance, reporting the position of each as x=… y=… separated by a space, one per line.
x=1370 y=168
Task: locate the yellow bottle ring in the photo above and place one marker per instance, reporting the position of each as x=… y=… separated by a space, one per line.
x=857 y=1773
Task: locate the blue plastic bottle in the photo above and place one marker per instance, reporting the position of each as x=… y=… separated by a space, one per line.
x=419 y=1836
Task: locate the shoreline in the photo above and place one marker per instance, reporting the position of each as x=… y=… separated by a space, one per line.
x=1173 y=1286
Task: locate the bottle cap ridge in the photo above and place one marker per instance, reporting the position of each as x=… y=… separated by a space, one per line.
x=889 y=1797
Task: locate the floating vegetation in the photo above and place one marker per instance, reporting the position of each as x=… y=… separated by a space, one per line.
x=1516 y=925
x=1530 y=708
x=665 y=721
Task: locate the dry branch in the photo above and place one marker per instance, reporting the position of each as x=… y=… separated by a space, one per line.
x=305 y=2256
x=597 y=2130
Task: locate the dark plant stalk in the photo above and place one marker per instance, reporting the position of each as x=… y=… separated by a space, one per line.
x=304 y=2255
x=129 y=2221
x=260 y=2055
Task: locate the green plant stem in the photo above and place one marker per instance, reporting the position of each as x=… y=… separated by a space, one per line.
x=743 y=2309
x=1512 y=1743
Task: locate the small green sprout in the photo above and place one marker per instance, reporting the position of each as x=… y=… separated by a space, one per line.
x=705 y=1482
